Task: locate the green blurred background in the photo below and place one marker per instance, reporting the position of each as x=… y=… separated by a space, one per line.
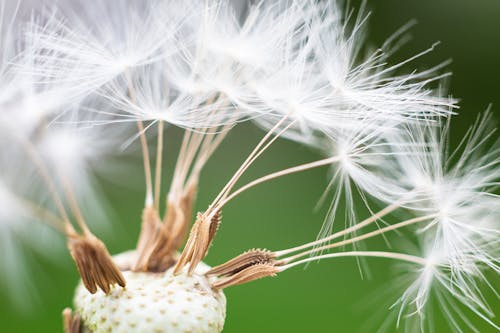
x=326 y=297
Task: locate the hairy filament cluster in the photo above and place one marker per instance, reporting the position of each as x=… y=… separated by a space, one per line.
x=80 y=84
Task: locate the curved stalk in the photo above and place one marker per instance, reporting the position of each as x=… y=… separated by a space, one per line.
x=250 y=159
x=361 y=237
x=377 y=254
x=159 y=163
x=358 y=226
x=295 y=169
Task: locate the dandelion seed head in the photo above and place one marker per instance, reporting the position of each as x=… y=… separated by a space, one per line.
x=80 y=76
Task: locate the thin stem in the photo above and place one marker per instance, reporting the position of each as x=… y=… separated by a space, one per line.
x=73 y=204
x=144 y=146
x=44 y=214
x=278 y=174
x=358 y=226
x=362 y=237
x=193 y=145
x=223 y=199
x=278 y=135
x=147 y=163
x=378 y=254
x=159 y=163
x=175 y=185
x=192 y=149
x=208 y=148
x=216 y=136
x=203 y=155
x=245 y=164
x=44 y=173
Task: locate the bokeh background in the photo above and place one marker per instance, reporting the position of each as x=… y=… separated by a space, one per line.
x=327 y=297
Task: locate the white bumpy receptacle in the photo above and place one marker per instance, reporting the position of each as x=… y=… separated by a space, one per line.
x=154 y=303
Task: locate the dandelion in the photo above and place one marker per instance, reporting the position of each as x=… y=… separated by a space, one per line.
x=87 y=82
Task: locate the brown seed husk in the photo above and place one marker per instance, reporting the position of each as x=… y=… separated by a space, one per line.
x=71 y=322
x=244 y=260
x=94 y=263
x=156 y=252
x=150 y=228
x=200 y=238
x=246 y=275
